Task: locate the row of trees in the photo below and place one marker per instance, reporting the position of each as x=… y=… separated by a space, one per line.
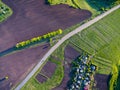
x=39 y=38
x=114 y=83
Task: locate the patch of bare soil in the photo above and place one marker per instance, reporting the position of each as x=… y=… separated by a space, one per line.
x=101 y=81
x=41 y=78
x=49 y=69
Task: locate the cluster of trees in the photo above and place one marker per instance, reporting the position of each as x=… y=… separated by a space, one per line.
x=39 y=38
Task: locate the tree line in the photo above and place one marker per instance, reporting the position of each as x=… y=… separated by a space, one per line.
x=39 y=38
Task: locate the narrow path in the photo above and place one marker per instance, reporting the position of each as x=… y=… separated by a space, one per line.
x=79 y=29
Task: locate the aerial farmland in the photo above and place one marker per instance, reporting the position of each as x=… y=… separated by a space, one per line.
x=31 y=19
x=31 y=57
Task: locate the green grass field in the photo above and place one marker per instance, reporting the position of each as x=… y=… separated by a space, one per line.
x=5 y=11
x=101 y=40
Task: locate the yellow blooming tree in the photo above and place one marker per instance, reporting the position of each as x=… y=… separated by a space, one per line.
x=37 y=39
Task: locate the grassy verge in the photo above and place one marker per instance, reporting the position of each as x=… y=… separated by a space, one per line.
x=5 y=11
x=57 y=77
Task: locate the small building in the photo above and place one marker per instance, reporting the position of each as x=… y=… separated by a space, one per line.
x=77 y=87
x=79 y=77
x=86 y=82
x=93 y=68
x=85 y=61
x=83 y=66
x=81 y=71
x=72 y=87
x=78 y=82
x=87 y=78
x=86 y=58
x=88 y=74
x=77 y=70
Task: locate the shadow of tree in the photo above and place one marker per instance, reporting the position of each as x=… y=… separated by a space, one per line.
x=7 y=51
x=46 y=2
x=13 y=49
x=2 y=79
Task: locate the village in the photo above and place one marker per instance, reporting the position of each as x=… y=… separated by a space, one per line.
x=81 y=74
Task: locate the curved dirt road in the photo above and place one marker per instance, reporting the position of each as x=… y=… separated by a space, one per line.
x=82 y=27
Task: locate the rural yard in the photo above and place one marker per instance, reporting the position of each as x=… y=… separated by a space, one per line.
x=33 y=18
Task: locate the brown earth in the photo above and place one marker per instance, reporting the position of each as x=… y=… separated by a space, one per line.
x=16 y=66
x=31 y=18
x=101 y=81
x=48 y=69
x=41 y=78
x=70 y=54
x=5 y=85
